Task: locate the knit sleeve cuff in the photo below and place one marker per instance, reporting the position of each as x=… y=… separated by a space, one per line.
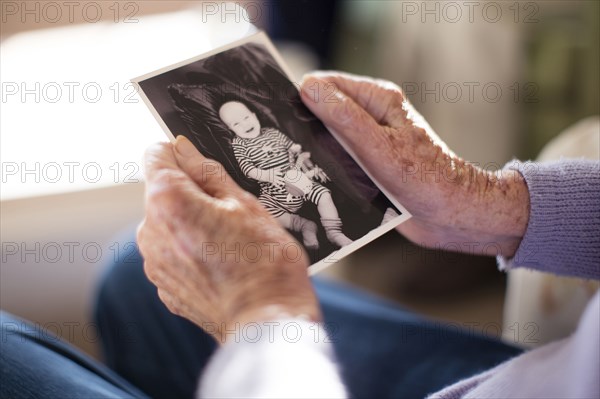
x=563 y=232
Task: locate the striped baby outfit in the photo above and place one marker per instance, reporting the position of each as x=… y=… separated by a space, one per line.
x=271 y=150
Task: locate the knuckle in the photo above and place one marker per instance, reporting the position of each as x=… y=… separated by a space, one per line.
x=166 y=195
x=156 y=151
x=151 y=272
x=163 y=179
x=141 y=232
x=390 y=91
x=387 y=85
x=342 y=111
x=169 y=302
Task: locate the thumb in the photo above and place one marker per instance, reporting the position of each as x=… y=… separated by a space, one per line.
x=208 y=174
x=338 y=111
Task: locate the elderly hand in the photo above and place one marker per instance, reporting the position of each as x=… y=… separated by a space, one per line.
x=452 y=201
x=215 y=254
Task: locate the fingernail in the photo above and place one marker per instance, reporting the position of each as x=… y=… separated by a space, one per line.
x=310 y=87
x=184 y=146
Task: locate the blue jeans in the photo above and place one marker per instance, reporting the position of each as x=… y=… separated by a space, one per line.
x=383 y=350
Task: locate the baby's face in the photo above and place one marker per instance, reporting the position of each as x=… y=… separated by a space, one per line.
x=240 y=120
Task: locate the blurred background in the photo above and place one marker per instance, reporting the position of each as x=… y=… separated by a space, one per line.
x=496 y=80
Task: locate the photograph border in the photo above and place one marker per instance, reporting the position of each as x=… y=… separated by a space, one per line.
x=262 y=38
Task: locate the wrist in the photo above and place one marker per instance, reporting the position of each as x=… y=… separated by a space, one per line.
x=271 y=293
x=494 y=210
x=305 y=309
x=302 y=308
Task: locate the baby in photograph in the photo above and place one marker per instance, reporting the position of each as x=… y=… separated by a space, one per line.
x=286 y=175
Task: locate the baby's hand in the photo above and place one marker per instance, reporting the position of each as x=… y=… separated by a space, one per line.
x=303 y=160
x=295 y=148
x=319 y=174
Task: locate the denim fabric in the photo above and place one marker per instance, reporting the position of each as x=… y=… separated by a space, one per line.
x=35 y=363
x=383 y=350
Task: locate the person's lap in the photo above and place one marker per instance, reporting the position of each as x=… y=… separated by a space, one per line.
x=383 y=350
x=35 y=364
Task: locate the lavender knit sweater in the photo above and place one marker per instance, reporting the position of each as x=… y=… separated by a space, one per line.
x=563 y=234
x=563 y=237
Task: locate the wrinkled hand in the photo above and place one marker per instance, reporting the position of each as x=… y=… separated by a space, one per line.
x=451 y=200
x=215 y=254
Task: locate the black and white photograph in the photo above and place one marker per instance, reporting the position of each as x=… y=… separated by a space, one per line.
x=240 y=106
x=300 y=199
